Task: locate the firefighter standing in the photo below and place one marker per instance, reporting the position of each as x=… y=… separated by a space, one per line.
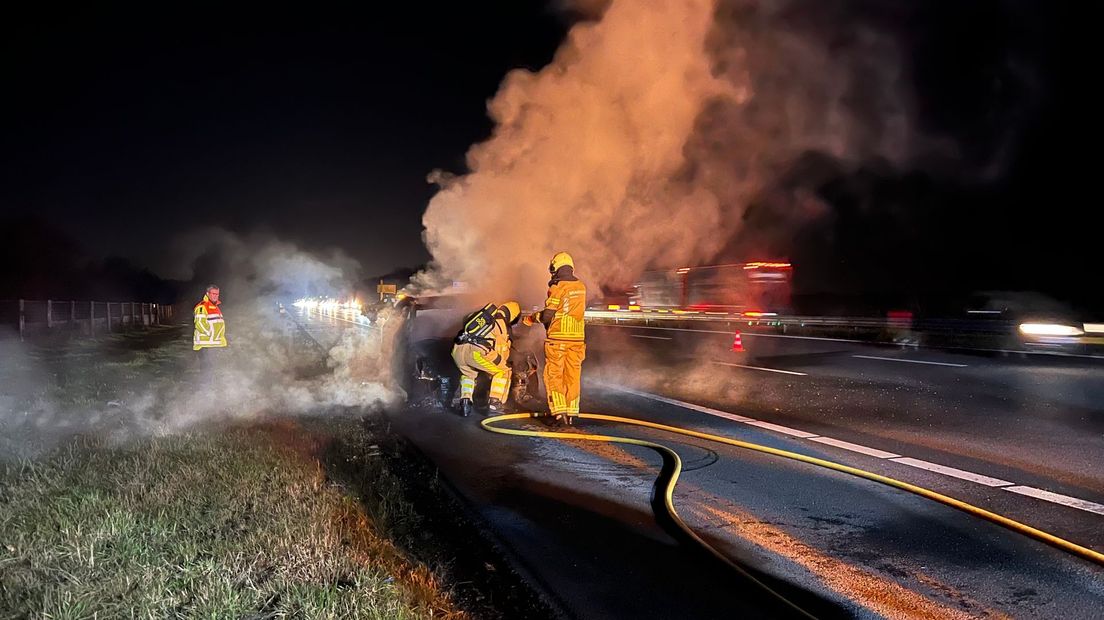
x=210 y=331
x=564 y=344
x=483 y=345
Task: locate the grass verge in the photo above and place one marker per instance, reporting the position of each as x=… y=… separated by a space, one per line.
x=230 y=522
x=232 y=525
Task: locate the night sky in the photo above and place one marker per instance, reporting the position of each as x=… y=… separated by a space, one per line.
x=127 y=127
x=131 y=126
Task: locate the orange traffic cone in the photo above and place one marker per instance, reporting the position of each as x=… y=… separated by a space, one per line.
x=737 y=343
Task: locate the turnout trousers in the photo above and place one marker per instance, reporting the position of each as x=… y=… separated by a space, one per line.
x=563 y=373
x=472 y=360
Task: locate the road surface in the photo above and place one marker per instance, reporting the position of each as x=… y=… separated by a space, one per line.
x=1023 y=437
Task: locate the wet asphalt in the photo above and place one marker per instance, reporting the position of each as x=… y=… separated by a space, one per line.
x=578 y=520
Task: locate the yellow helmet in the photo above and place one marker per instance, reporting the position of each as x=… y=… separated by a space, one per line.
x=512 y=311
x=559 y=260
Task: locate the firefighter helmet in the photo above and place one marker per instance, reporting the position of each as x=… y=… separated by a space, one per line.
x=512 y=311
x=559 y=260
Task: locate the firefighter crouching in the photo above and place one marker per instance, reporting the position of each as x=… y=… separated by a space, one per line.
x=564 y=344
x=483 y=345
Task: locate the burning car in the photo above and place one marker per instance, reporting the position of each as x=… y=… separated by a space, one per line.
x=423 y=361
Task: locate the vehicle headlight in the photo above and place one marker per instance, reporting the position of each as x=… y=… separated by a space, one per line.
x=1049 y=329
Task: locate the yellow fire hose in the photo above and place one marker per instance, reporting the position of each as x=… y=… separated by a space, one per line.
x=669 y=488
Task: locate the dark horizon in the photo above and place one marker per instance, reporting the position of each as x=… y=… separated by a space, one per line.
x=133 y=129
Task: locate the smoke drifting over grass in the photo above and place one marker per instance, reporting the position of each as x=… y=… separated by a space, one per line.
x=260 y=272
x=149 y=383
x=655 y=126
x=262 y=368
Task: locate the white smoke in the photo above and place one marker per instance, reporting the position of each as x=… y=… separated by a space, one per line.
x=271 y=368
x=263 y=370
x=645 y=139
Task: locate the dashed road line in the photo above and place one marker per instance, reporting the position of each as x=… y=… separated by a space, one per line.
x=854 y=447
x=825 y=339
x=899 y=359
x=678 y=403
x=667 y=329
x=785 y=430
x=777 y=370
x=1058 y=498
x=651 y=337
x=954 y=472
x=728 y=333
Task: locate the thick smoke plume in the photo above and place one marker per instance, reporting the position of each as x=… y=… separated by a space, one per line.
x=653 y=129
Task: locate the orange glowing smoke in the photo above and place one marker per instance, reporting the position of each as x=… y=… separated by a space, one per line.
x=583 y=154
x=644 y=140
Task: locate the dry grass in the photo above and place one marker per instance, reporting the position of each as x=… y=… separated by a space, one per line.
x=228 y=523
x=227 y=526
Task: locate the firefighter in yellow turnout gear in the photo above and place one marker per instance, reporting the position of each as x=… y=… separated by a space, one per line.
x=210 y=329
x=483 y=345
x=564 y=344
x=209 y=335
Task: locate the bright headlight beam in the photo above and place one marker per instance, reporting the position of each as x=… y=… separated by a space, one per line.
x=1048 y=329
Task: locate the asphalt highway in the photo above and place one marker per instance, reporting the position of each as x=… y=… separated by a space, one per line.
x=1023 y=437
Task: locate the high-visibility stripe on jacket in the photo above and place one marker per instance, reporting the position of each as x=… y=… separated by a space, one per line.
x=210 y=328
x=473 y=358
x=497 y=342
x=568 y=300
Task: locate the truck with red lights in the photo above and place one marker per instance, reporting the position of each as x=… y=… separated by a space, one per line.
x=760 y=287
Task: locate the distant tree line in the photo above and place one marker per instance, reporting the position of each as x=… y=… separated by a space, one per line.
x=38 y=261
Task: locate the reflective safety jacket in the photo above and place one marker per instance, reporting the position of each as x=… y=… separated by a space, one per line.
x=501 y=337
x=496 y=349
x=210 y=329
x=567 y=299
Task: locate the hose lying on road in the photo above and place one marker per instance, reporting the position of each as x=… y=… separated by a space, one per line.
x=668 y=491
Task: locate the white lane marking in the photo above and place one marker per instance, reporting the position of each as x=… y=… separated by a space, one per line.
x=752 y=335
x=651 y=337
x=953 y=472
x=714 y=412
x=854 y=447
x=665 y=329
x=778 y=370
x=728 y=332
x=1058 y=498
x=678 y=403
x=781 y=429
x=1055 y=498
x=897 y=359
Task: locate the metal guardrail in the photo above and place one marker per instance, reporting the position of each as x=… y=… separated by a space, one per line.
x=768 y=319
x=37 y=316
x=983 y=335
x=996 y=326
